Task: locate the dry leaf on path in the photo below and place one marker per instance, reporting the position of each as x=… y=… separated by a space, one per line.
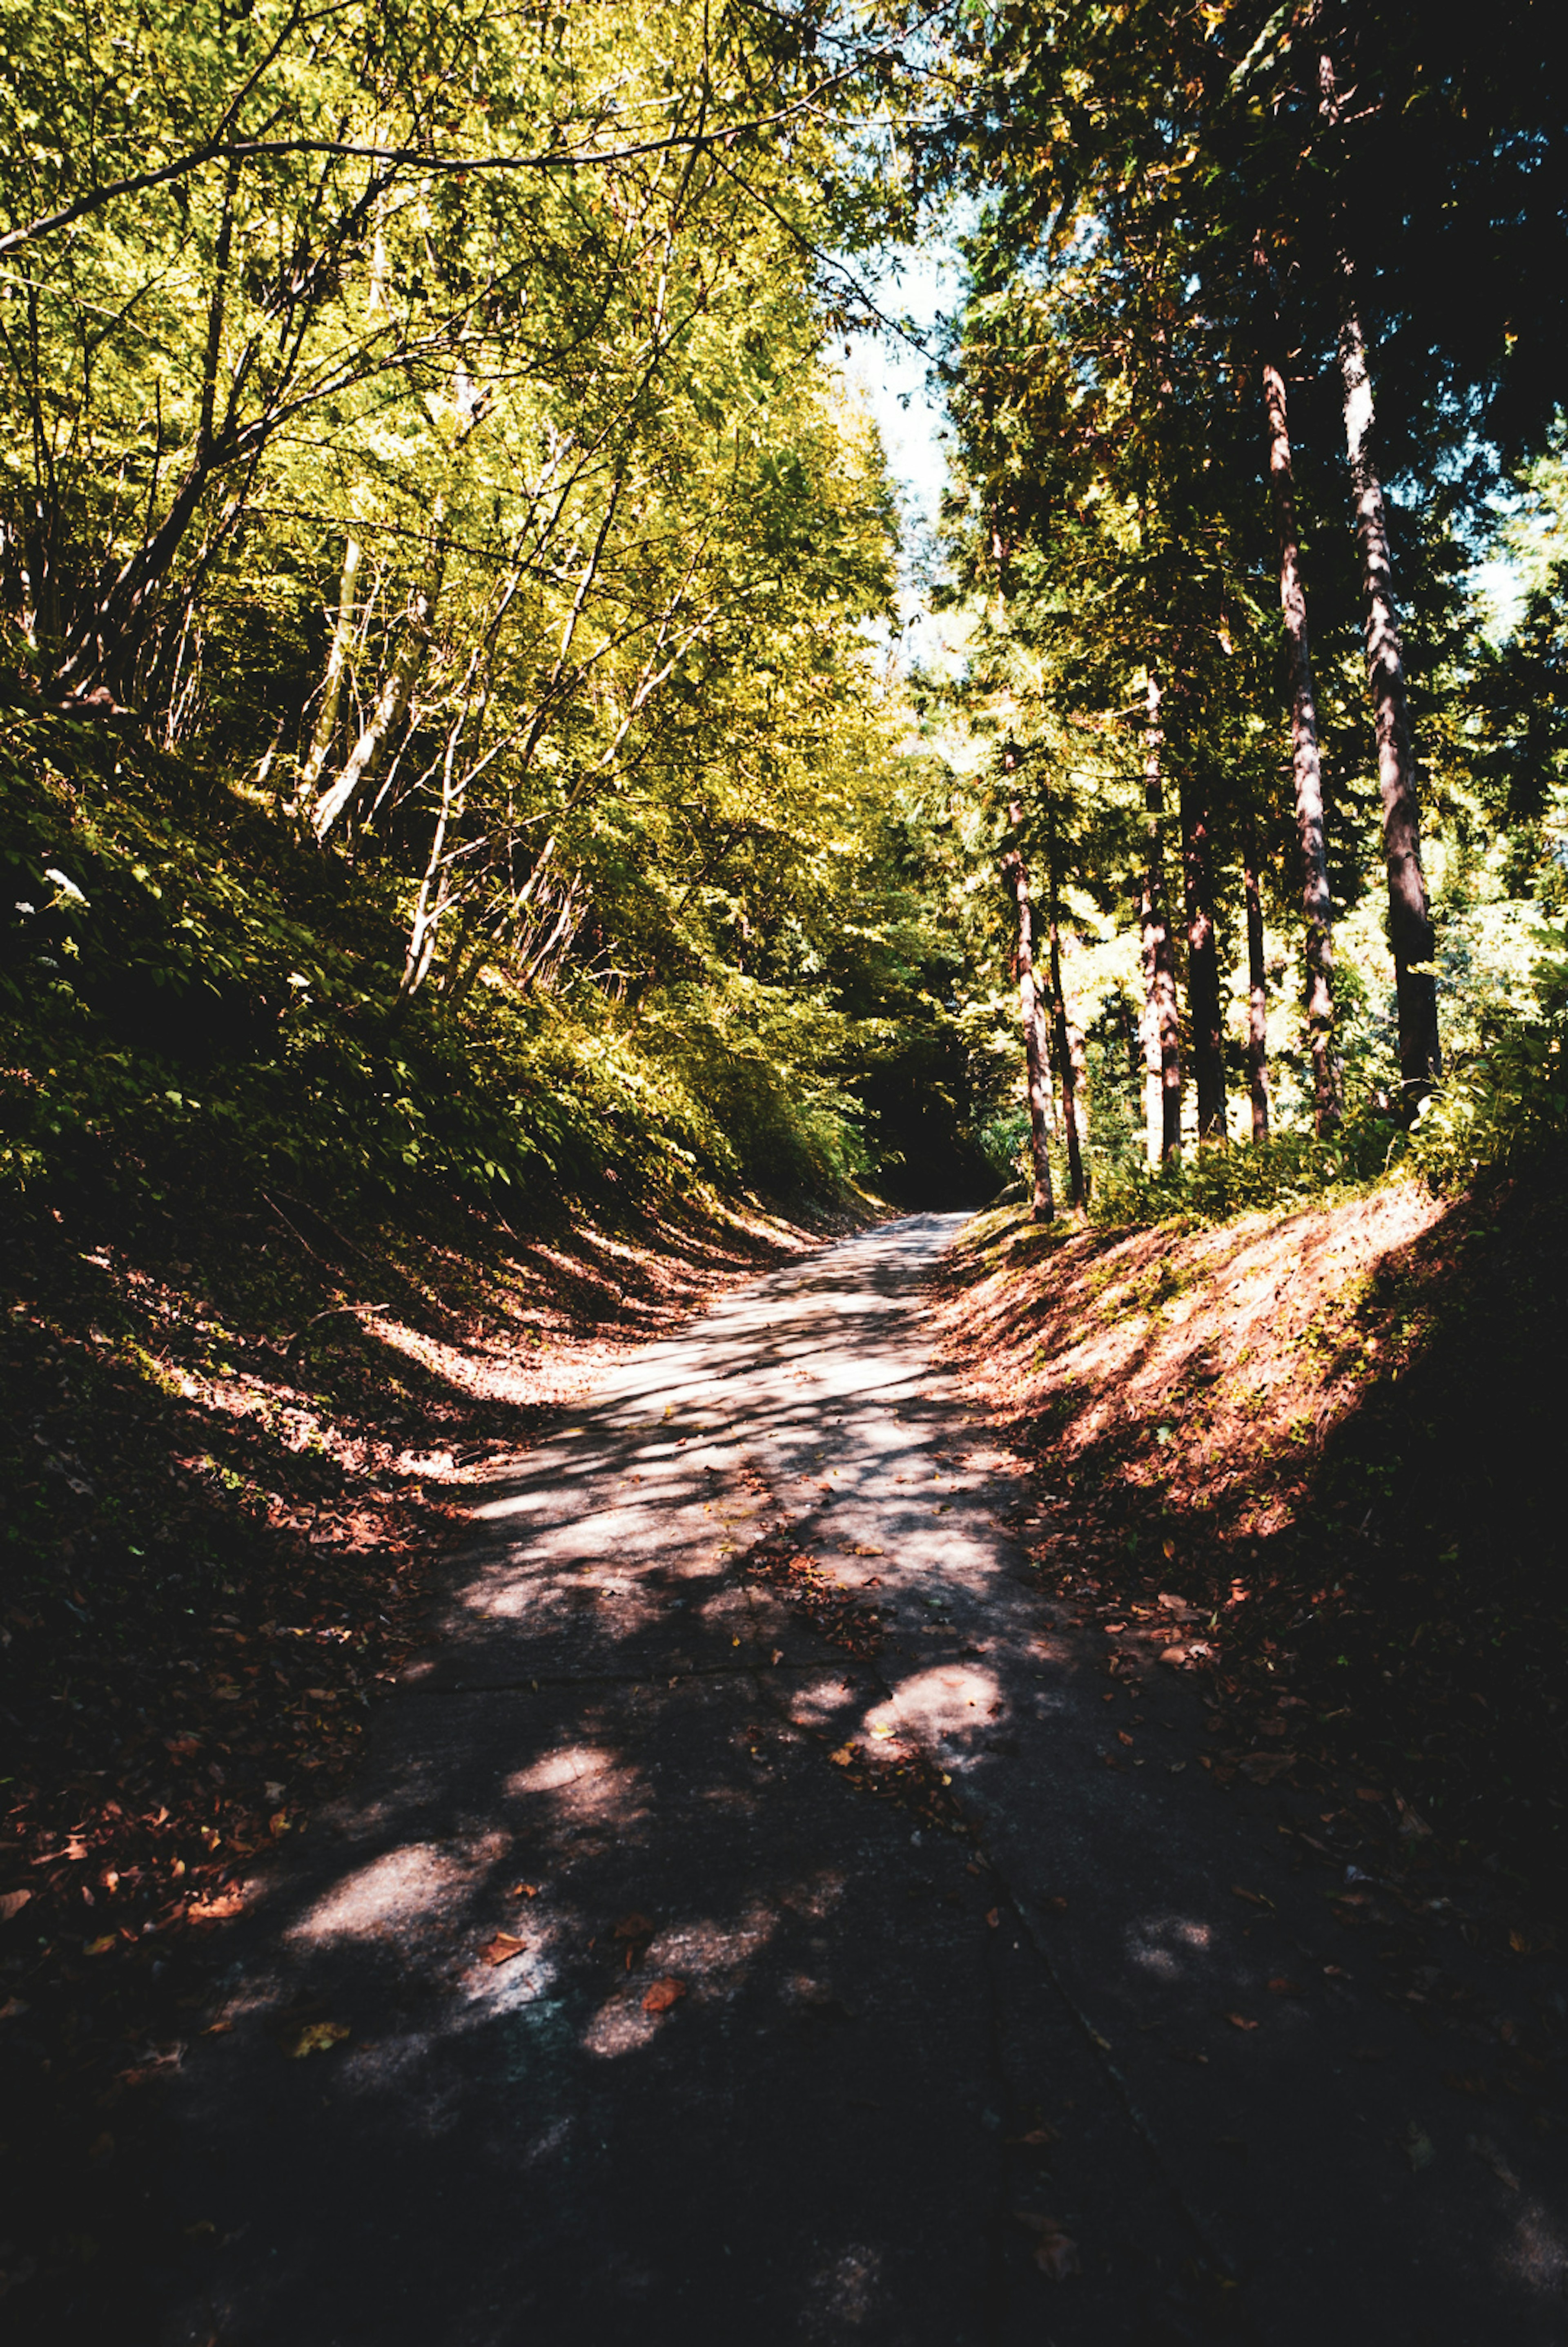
x=317 y=2038
x=1055 y=2252
x=1467 y=2082
x=634 y=1927
x=1485 y=2149
x=217 y=1907
x=503 y=1948
x=1240 y=2020
x=664 y=1993
x=12 y=1903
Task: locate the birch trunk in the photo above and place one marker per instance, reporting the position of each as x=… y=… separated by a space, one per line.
x=1162 y=1024
x=1015 y=876
x=326 y=724
x=1069 y=1045
x=392 y=700
x=1307 y=768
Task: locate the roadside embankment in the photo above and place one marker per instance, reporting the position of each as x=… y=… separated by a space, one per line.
x=1334 y=1432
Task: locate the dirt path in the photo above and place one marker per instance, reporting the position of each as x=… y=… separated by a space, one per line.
x=782 y=2060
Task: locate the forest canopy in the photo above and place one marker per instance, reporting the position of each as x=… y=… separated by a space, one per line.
x=450 y=590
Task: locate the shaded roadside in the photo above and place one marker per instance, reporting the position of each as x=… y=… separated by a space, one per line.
x=238 y=1435
x=765 y=1909
x=1336 y=1433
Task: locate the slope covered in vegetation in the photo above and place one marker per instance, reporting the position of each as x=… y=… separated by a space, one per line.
x=1323 y=1445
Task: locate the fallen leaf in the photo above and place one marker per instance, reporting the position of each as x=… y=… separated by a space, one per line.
x=1418 y=2146
x=1040 y=2135
x=524 y=1891
x=664 y=1993
x=843 y=1756
x=13 y=2009
x=1122 y=1736
x=317 y=2038
x=1253 y=1897
x=1368 y=1793
x=12 y=1903
x=1485 y=2149
x=503 y=1948
x=101 y=1947
x=1173 y=1656
x=1283 y=1987
x=1055 y=2252
x=634 y=1927
x=994 y=1916
x=882 y=1732
x=215 y=1907
x=1240 y=2020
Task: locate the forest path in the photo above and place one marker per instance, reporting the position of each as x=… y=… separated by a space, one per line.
x=900 y=2069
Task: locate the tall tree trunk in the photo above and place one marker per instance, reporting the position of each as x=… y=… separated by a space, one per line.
x=1307 y=768
x=1256 y=991
x=1202 y=952
x=392 y=700
x=1068 y=1061
x=326 y=726
x=1032 y=1011
x=1162 y=1023
x=1409 y=915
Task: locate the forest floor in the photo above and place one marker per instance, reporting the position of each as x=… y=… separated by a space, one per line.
x=774 y=1901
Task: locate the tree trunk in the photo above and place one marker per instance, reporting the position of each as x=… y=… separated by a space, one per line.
x=1162 y=1024
x=1409 y=915
x=1014 y=873
x=1070 y=1059
x=1202 y=954
x=392 y=700
x=1069 y=1049
x=326 y=724
x=1257 y=992
x=1306 y=767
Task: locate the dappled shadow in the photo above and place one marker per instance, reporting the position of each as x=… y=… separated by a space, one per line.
x=612 y=2003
